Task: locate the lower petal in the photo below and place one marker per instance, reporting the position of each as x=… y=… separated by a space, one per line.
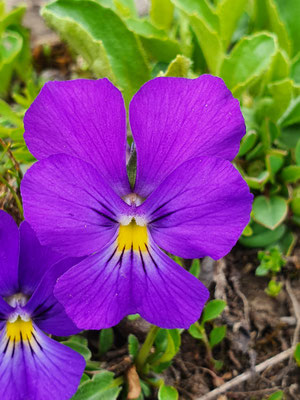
x=105 y=287
x=33 y=366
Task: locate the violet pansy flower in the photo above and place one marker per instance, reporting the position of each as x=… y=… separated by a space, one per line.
x=33 y=366
x=188 y=199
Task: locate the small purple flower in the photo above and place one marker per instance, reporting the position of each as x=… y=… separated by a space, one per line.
x=188 y=199
x=33 y=366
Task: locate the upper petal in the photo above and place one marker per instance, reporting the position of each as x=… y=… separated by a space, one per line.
x=35 y=367
x=200 y=209
x=9 y=255
x=35 y=259
x=175 y=119
x=70 y=205
x=84 y=118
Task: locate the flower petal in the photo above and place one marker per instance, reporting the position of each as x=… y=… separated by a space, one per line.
x=105 y=287
x=38 y=368
x=199 y=210
x=84 y=118
x=9 y=255
x=35 y=259
x=175 y=119
x=48 y=314
x=70 y=206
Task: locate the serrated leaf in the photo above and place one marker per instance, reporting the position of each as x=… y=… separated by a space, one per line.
x=292 y=114
x=212 y=310
x=167 y=393
x=281 y=93
x=106 y=340
x=248 y=60
x=217 y=335
x=102 y=386
x=289 y=12
x=269 y=212
x=205 y=24
x=229 y=13
x=179 y=67
x=155 y=41
x=102 y=39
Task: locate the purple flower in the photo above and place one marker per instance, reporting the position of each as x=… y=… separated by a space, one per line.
x=33 y=366
x=188 y=199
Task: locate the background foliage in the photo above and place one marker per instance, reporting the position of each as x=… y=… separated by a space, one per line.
x=254 y=45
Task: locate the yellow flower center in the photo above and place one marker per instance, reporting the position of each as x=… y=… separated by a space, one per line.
x=132 y=236
x=19 y=329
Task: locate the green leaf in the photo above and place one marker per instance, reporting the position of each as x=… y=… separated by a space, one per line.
x=133 y=346
x=292 y=114
x=229 y=13
x=289 y=12
x=217 y=335
x=281 y=93
x=257 y=182
x=262 y=237
x=277 y=395
x=297 y=354
x=248 y=141
x=155 y=41
x=291 y=174
x=173 y=345
x=102 y=386
x=276 y=25
x=102 y=39
x=106 y=340
x=273 y=288
x=195 y=268
x=195 y=331
x=205 y=23
x=269 y=212
x=126 y=8
x=10 y=48
x=297 y=153
x=212 y=310
x=79 y=344
x=167 y=393
x=295 y=69
x=248 y=60
x=161 y=13
x=179 y=67
x=274 y=161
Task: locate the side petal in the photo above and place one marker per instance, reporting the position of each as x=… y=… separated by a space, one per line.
x=48 y=314
x=105 y=287
x=9 y=255
x=38 y=367
x=35 y=259
x=175 y=119
x=5 y=311
x=70 y=206
x=84 y=118
x=199 y=210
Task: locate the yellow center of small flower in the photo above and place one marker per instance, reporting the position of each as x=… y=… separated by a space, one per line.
x=132 y=236
x=19 y=329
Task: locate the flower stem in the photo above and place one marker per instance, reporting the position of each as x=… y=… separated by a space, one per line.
x=146 y=347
